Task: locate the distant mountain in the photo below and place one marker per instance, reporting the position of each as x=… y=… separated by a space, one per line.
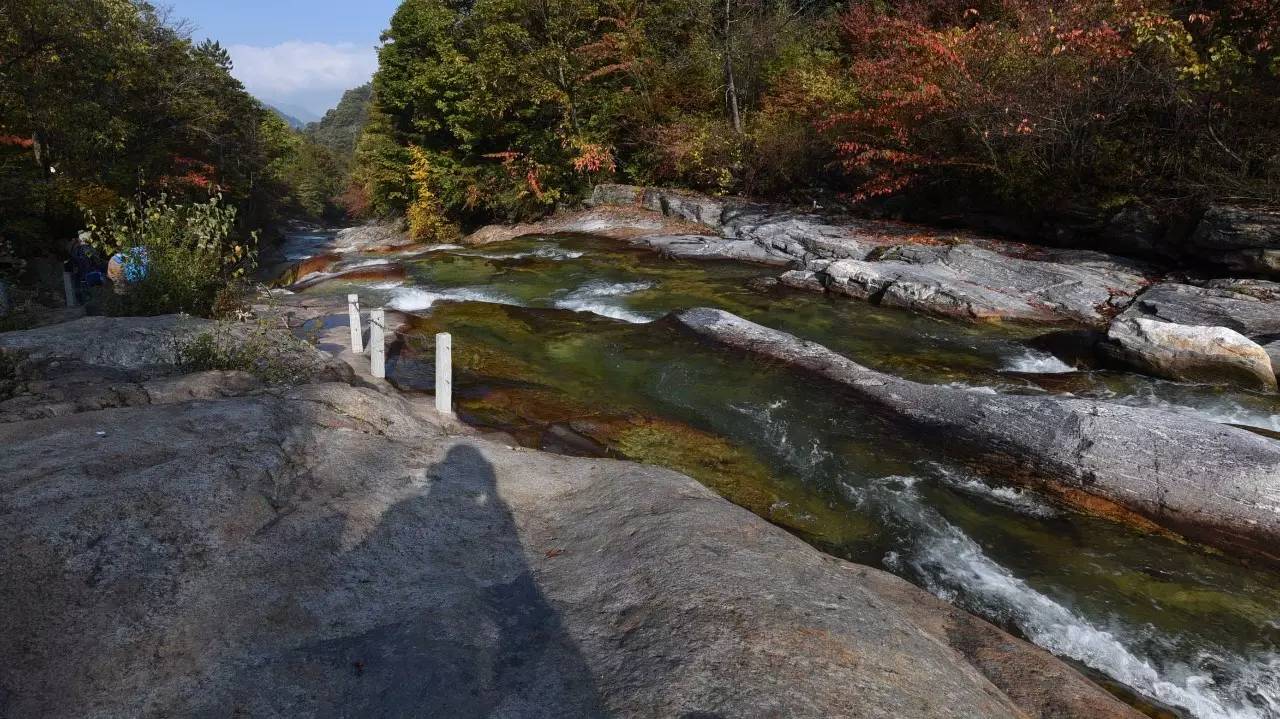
x=296 y=116
x=340 y=128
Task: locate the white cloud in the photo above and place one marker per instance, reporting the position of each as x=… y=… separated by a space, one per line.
x=311 y=74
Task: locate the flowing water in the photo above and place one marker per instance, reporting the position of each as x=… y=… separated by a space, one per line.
x=556 y=337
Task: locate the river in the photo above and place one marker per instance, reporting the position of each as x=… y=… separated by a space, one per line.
x=557 y=341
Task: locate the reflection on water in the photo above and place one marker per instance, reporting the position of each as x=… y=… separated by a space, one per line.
x=555 y=337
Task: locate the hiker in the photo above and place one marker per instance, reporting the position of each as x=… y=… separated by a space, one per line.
x=85 y=265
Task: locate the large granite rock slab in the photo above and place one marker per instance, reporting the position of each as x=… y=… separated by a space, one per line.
x=1214 y=483
x=334 y=551
x=1192 y=353
x=711 y=247
x=969 y=282
x=931 y=271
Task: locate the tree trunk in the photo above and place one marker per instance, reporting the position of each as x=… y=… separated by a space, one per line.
x=730 y=89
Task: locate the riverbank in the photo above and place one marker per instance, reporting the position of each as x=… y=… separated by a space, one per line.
x=330 y=546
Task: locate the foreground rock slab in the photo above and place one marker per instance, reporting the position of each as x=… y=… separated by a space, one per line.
x=333 y=551
x=1214 y=483
x=150 y=346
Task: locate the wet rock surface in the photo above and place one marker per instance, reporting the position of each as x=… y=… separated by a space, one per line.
x=1214 y=483
x=330 y=550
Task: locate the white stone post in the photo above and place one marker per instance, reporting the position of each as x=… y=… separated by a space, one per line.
x=357 y=332
x=444 y=373
x=377 y=343
x=69 y=289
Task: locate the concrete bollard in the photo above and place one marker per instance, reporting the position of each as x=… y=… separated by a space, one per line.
x=377 y=343
x=444 y=373
x=69 y=289
x=357 y=332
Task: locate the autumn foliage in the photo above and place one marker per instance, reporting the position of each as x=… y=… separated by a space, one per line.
x=1049 y=102
x=521 y=105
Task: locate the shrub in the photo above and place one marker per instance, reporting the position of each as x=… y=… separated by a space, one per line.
x=190 y=251
x=270 y=355
x=425 y=215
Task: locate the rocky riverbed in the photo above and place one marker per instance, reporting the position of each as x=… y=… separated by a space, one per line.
x=979 y=431
x=204 y=544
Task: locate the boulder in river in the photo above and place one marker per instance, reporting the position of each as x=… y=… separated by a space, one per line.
x=1249 y=307
x=331 y=550
x=1192 y=353
x=1215 y=483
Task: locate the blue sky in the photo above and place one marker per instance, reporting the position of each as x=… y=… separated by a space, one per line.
x=300 y=53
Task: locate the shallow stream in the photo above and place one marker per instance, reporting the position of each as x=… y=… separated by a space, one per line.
x=555 y=342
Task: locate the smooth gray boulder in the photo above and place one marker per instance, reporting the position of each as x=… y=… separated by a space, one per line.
x=1216 y=355
x=333 y=551
x=1215 y=483
x=969 y=282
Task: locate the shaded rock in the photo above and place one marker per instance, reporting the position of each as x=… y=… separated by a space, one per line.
x=120 y=342
x=1078 y=348
x=1254 y=313
x=1136 y=230
x=1215 y=483
x=688 y=206
x=1226 y=227
x=1240 y=238
x=333 y=552
x=614 y=194
x=1216 y=355
x=71 y=388
x=1257 y=289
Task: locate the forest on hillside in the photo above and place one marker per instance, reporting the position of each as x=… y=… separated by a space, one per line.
x=113 y=117
x=502 y=109
x=104 y=99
